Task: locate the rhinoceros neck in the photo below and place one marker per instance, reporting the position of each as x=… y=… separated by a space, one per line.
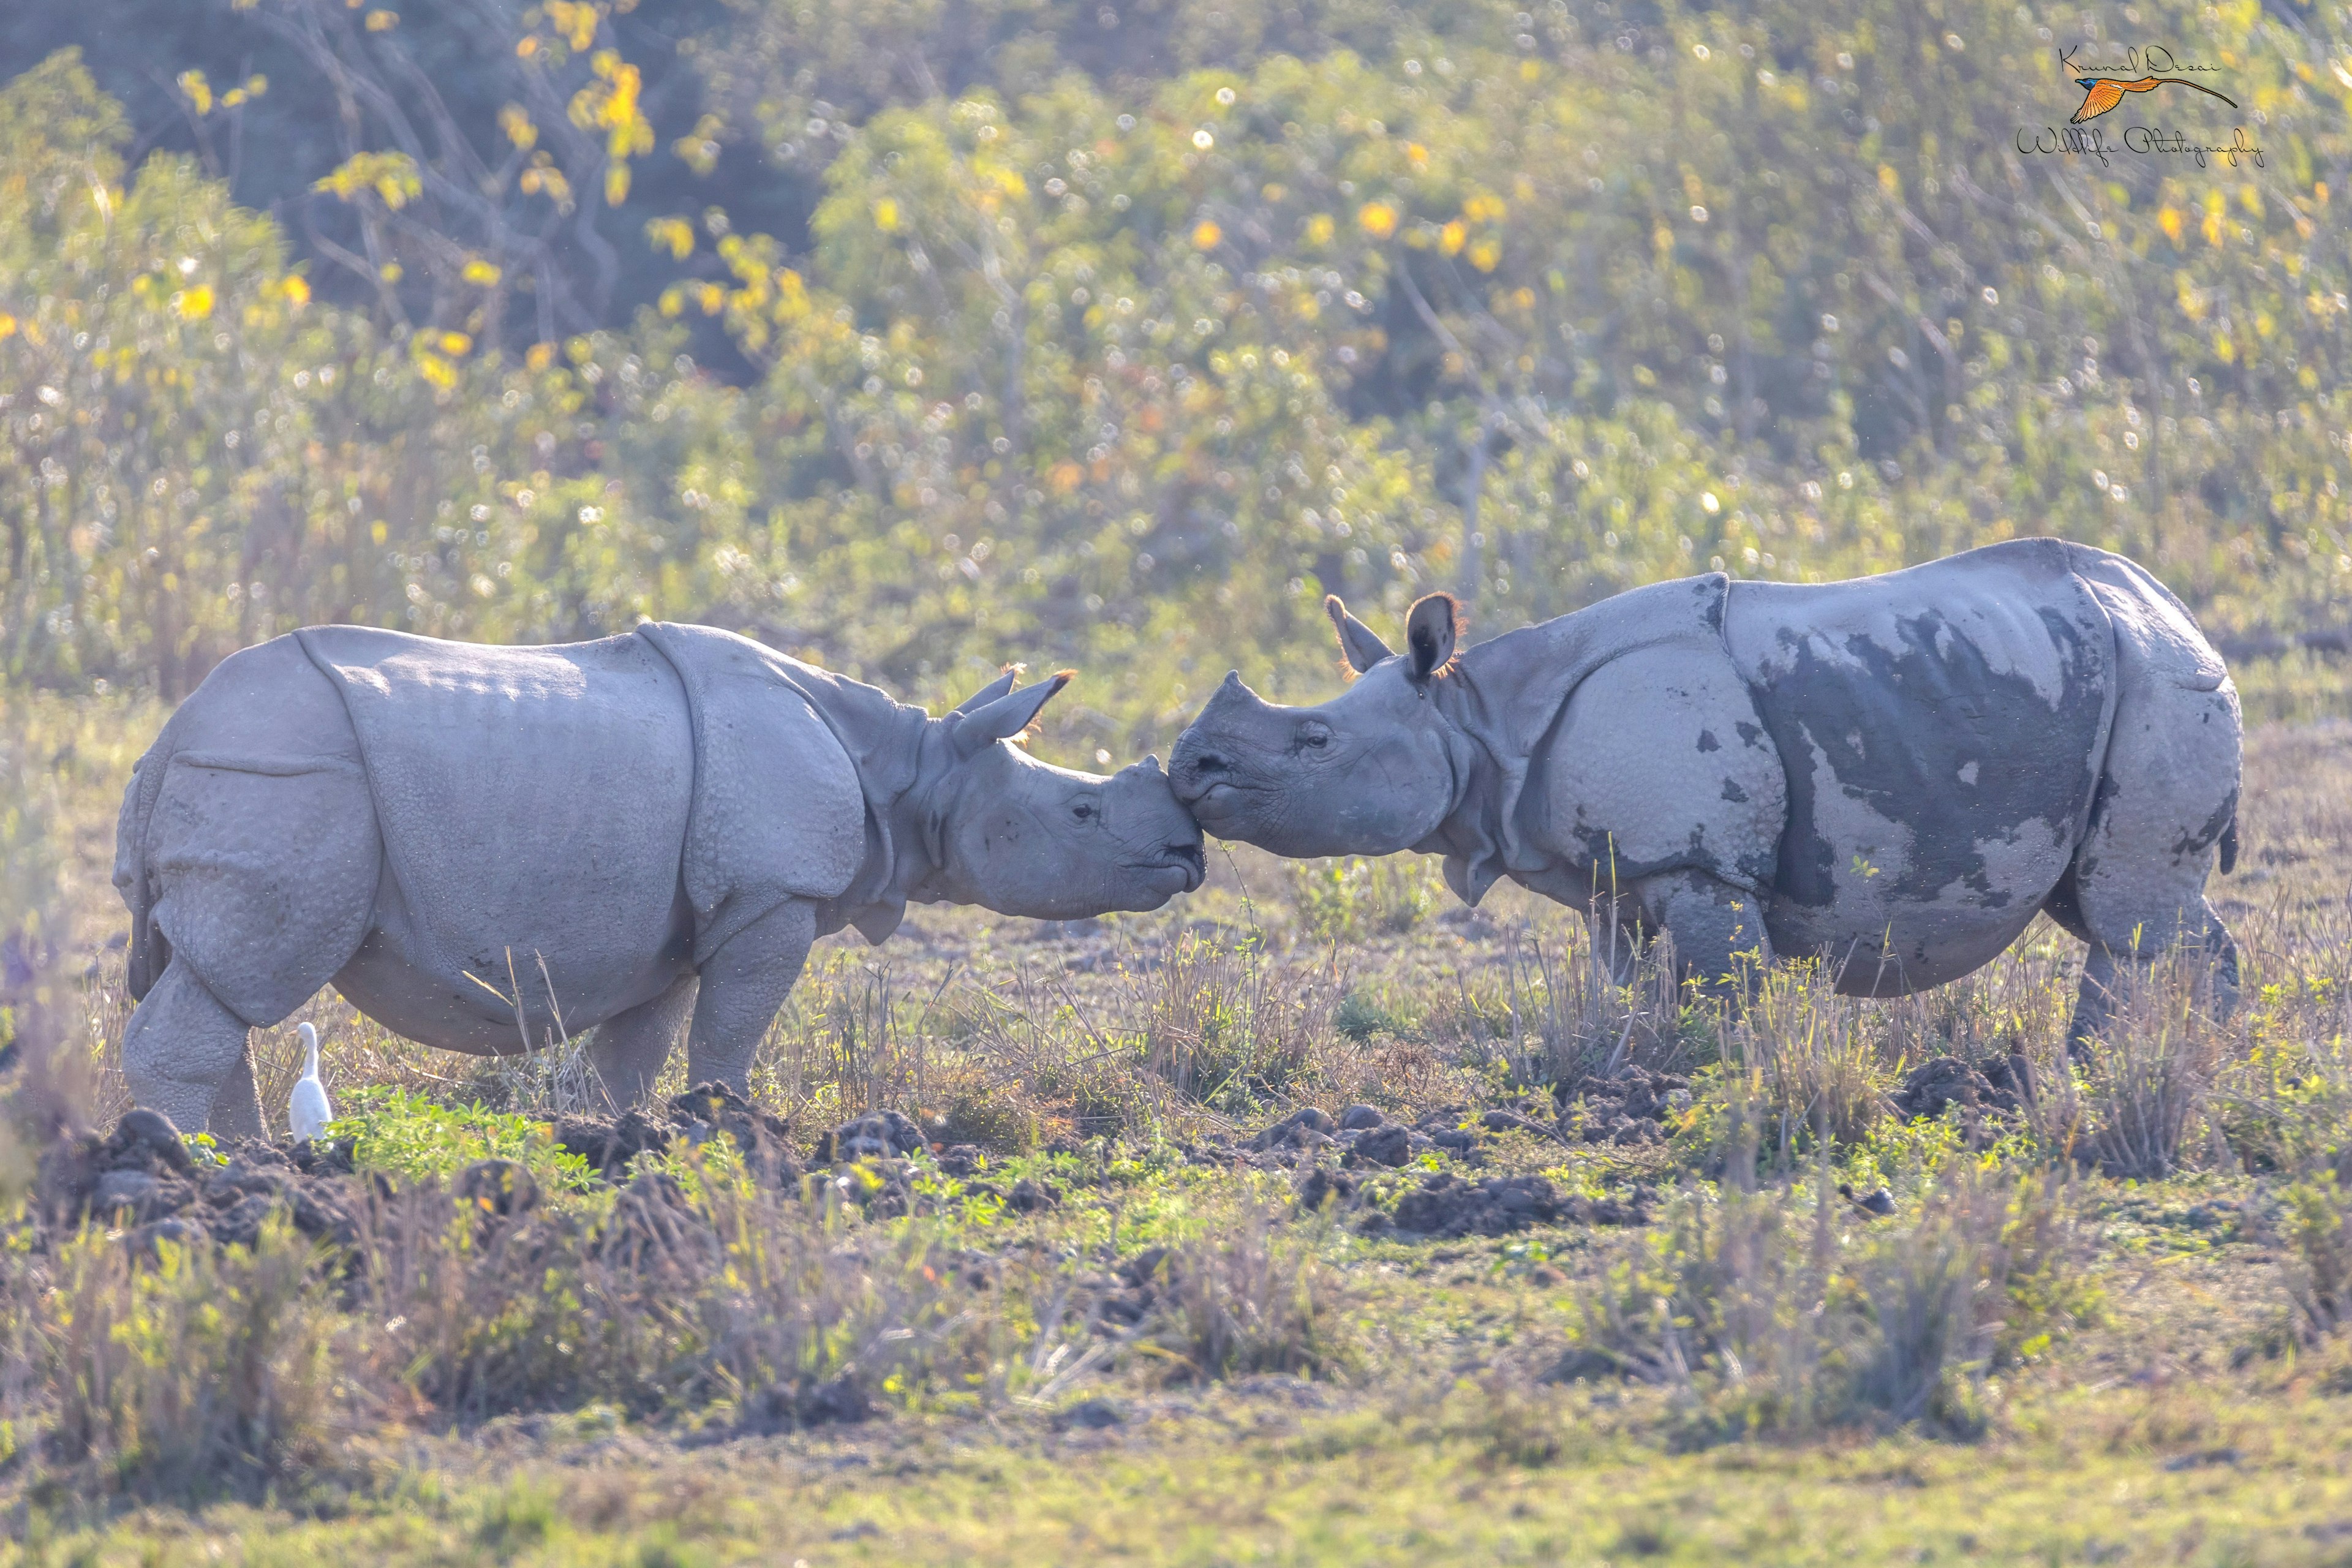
x=901 y=753
x=1505 y=698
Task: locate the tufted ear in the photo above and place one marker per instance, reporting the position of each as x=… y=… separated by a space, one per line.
x=1360 y=643
x=995 y=688
x=1006 y=717
x=1430 y=628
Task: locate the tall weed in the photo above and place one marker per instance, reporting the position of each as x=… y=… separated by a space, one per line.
x=204 y=1372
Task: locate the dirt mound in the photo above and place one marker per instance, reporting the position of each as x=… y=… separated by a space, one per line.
x=1630 y=1109
x=1935 y=1086
x=1446 y=1205
x=702 y=1112
x=142 y=1180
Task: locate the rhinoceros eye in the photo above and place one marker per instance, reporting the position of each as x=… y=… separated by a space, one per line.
x=1083 y=810
x=1314 y=734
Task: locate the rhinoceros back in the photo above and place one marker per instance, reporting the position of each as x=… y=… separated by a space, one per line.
x=1943 y=730
x=532 y=803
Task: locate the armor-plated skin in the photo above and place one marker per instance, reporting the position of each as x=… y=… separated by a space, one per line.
x=667 y=820
x=1892 y=774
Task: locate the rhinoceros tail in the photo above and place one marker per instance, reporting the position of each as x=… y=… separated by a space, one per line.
x=2230 y=847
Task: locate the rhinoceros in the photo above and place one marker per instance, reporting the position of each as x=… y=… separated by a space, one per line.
x=666 y=819
x=1891 y=774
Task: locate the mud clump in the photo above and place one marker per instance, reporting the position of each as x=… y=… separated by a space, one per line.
x=142 y=1180
x=802 y=1404
x=610 y=1144
x=1448 y=1207
x=1935 y=1086
x=1629 y=1110
x=877 y=1136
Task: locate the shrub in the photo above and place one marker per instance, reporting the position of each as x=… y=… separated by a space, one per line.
x=1243 y=1298
x=409 y=1135
x=1352 y=899
x=206 y=1372
x=1777 y=1311
x=2319 y=1273
x=2144 y=1081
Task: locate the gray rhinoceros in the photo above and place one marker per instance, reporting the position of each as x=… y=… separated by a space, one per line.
x=1892 y=773
x=668 y=819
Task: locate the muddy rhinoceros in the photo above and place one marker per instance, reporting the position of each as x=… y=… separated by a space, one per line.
x=1892 y=774
x=666 y=819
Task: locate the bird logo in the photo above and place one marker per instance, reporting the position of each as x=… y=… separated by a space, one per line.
x=2101 y=93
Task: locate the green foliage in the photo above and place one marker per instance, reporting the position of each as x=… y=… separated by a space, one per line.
x=1353 y=899
x=1090 y=354
x=409 y=1135
x=2319 y=1271
x=1778 y=1311
x=207 y=1372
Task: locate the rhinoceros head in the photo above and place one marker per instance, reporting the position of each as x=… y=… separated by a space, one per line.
x=1372 y=771
x=1024 y=837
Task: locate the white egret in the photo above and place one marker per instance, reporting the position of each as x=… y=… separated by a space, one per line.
x=307 y=1110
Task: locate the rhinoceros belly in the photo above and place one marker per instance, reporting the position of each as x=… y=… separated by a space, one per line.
x=1942 y=729
x=532 y=804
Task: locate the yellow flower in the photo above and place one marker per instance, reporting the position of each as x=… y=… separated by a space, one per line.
x=886 y=215
x=195 y=304
x=1451 y=237
x=541 y=356
x=1318 y=229
x=1485 y=254
x=1205 y=236
x=2168 y=220
x=1378 y=219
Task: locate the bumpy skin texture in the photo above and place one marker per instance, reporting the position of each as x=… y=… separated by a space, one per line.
x=1892 y=774
x=643 y=833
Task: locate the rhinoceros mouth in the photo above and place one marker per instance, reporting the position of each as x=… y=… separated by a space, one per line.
x=1192 y=859
x=1215 y=797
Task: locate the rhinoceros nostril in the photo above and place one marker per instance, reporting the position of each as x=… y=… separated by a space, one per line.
x=1208 y=762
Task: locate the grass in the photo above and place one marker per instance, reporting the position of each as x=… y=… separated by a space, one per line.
x=2110 y=1328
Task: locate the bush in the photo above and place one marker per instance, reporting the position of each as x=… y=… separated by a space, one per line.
x=1354 y=897
x=204 y=1372
x=1777 y=1310
x=409 y=1135
x=2319 y=1226
x=1244 y=1299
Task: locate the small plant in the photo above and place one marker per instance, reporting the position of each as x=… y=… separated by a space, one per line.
x=2145 y=1080
x=204 y=1372
x=2319 y=1230
x=1360 y=1018
x=1776 y=1310
x=406 y=1134
x=1353 y=899
x=1247 y=1299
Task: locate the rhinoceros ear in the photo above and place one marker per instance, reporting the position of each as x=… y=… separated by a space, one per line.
x=1359 y=642
x=1430 y=628
x=1006 y=717
x=989 y=693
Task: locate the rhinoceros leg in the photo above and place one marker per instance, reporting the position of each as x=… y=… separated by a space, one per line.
x=1718 y=929
x=742 y=985
x=629 y=1049
x=2167 y=797
x=190 y=1057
